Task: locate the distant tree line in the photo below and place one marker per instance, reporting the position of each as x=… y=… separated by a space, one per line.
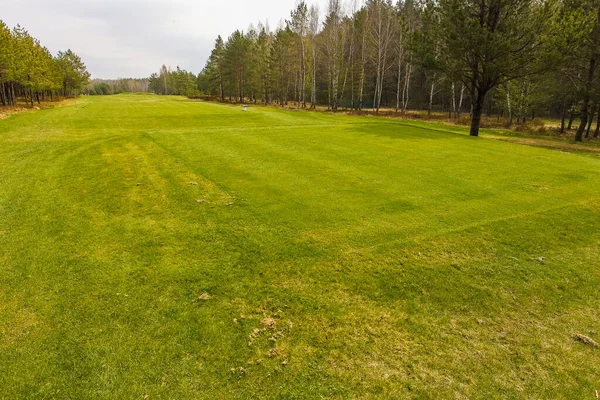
x=28 y=70
x=115 y=86
x=178 y=82
x=513 y=58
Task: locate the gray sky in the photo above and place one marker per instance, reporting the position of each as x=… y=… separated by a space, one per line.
x=133 y=38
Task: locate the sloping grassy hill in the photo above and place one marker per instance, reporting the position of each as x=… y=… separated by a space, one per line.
x=160 y=247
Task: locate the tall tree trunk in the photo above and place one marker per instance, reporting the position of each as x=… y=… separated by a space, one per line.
x=586 y=101
x=383 y=39
x=406 y=90
x=590 y=120
x=352 y=85
x=303 y=77
x=361 y=85
x=346 y=74
x=383 y=70
x=330 y=90
x=313 y=95
x=378 y=65
x=375 y=107
x=335 y=81
x=477 y=110
x=399 y=81
x=597 y=124
x=347 y=66
x=431 y=92
x=242 y=87
x=221 y=89
x=562 y=118
x=584 y=119
x=400 y=51
x=2 y=94
x=361 y=88
x=460 y=101
x=571 y=118
x=13 y=94
x=296 y=89
x=509 y=106
x=453 y=100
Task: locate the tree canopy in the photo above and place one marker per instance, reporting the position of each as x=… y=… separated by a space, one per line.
x=28 y=69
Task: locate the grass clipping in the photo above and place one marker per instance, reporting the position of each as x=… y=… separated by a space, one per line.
x=585 y=339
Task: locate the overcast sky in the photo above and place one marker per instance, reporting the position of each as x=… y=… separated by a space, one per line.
x=133 y=38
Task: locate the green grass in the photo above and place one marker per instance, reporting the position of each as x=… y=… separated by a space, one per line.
x=395 y=261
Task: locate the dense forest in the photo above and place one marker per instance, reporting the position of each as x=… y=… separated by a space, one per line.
x=511 y=58
x=178 y=82
x=116 y=86
x=28 y=70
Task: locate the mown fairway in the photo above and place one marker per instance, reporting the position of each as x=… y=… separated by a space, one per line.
x=317 y=256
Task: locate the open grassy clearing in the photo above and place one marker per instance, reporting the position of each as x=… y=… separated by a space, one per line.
x=161 y=247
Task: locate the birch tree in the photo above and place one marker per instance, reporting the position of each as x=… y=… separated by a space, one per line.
x=299 y=25
x=382 y=32
x=313 y=31
x=333 y=39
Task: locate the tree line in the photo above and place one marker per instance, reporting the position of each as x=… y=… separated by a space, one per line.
x=513 y=58
x=104 y=87
x=178 y=82
x=28 y=70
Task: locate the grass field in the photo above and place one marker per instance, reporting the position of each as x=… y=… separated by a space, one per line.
x=155 y=247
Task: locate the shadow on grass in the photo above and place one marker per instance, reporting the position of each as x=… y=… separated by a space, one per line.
x=409 y=131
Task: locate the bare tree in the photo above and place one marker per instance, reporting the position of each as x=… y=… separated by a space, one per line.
x=348 y=26
x=333 y=42
x=362 y=18
x=299 y=24
x=313 y=31
x=381 y=37
x=400 y=50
